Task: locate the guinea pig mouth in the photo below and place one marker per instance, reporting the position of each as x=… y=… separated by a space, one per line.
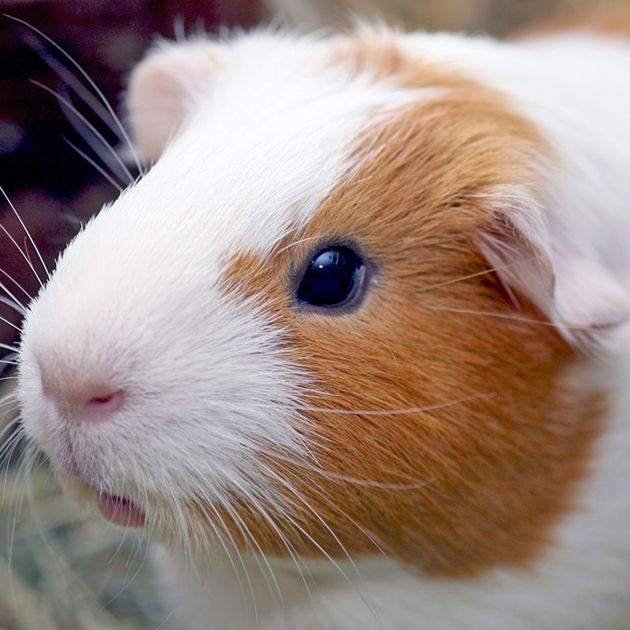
x=114 y=508
x=120 y=511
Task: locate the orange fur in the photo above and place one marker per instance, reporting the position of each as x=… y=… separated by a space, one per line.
x=479 y=478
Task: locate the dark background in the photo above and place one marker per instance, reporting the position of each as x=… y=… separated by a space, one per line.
x=51 y=185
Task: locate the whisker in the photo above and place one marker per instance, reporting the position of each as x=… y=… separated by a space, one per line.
x=229 y=555
x=8 y=427
x=477 y=274
x=258 y=505
x=10 y=237
x=91 y=83
x=396 y=412
x=9 y=323
x=8 y=448
x=342 y=547
x=165 y=620
x=93 y=163
x=75 y=84
x=26 y=231
x=369 y=535
x=16 y=507
x=250 y=539
x=88 y=124
x=368 y=483
x=516 y=318
x=29 y=297
x=299 y=242
x=127 y=582
x=11 y=304
x=299 y=565
x=83 y=132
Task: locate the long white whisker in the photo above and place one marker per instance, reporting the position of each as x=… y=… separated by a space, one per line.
x=396 y=412
x=75 y=84
x=17 y=506
x=515 y=318
x=22 y=253
x=345 y=552
x=73 y=116
x=478 y=274
x=9 y=323
x=8 y=449
x=295 y=243
x=29 y=297
x=91 y=83
x=370 y=536
x=127 y=581
x=89 y=125
x=9 y=427
x=11 y=304
x=212 y=524
x=248 y=536
x=367 y=483
x=256 y=504
x=97 y=166
x=26 y=231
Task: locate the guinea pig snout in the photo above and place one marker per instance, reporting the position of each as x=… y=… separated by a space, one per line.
x=83 y=400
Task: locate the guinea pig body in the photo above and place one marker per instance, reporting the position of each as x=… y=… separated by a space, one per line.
x=352 y=352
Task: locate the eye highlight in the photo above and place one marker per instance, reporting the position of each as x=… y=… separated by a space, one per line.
x=332 y=279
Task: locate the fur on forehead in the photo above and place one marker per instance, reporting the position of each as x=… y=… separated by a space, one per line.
x=258 y=129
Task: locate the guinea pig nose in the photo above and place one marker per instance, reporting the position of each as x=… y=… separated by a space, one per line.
x=100 y=402
x=86 y=402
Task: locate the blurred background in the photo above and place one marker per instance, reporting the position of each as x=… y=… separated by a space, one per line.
x=60 y=569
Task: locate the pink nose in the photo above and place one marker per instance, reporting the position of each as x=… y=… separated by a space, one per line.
x=85 y=402
x=99 y=403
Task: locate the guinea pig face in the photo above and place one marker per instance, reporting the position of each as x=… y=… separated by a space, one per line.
x=289 y=333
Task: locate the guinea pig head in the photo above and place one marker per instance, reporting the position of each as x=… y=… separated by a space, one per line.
x=332 y=319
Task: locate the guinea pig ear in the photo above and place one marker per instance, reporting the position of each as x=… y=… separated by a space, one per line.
x=571 y=288
x=163 y=89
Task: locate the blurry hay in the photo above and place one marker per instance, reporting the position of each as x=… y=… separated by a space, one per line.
x=62 y=569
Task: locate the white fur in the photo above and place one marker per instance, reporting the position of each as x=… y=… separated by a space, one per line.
x=137 y=299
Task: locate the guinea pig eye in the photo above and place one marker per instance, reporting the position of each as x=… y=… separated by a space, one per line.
x=333 y=278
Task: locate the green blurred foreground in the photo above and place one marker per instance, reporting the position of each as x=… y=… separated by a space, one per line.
x=61 y=569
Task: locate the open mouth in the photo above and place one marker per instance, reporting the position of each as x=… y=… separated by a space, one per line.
x=114 y=508
x=120 y=511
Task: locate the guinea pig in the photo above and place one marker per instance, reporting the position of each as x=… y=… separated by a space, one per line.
x=352 y=353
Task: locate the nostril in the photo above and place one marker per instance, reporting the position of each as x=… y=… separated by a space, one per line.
x=80 y=401
x=100 y=404
x=102 y=400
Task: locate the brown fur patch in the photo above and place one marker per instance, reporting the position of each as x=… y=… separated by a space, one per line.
x=479 y=478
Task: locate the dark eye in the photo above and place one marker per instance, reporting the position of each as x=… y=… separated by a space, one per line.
x=333 y=278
